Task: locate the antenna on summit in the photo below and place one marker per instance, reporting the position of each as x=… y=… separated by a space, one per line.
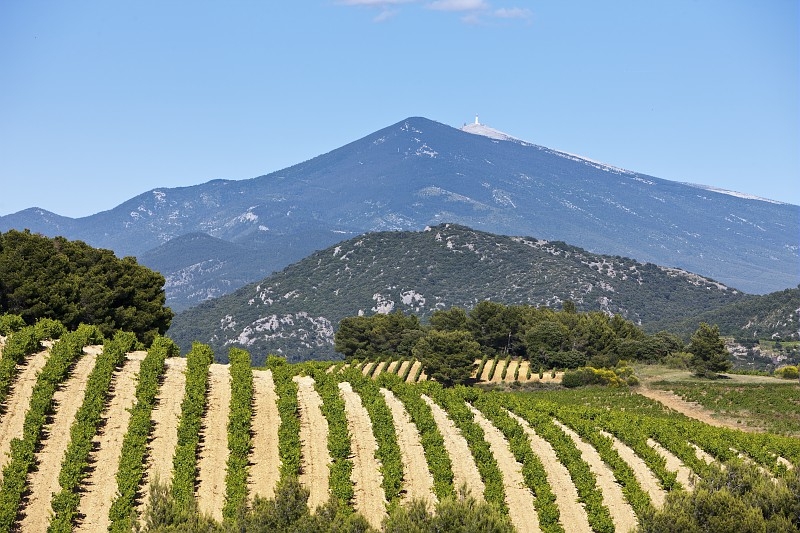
x=476 y=119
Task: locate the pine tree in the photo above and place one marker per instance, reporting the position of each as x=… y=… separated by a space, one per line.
x=709 y=355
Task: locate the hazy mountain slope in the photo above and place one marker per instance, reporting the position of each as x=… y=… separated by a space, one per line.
x=296 y=311
x=769 y=316
x=419 y=172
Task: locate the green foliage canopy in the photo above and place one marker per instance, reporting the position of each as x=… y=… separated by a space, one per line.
x=73 y=283
x=448 y=356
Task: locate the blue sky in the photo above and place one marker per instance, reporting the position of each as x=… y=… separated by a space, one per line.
x=101 y=101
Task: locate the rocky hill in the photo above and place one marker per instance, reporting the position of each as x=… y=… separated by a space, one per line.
x=295 y=312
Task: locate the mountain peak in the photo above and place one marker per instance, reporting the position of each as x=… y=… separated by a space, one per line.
x=476 y=128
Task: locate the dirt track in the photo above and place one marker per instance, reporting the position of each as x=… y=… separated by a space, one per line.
x=368 y=498
x=100 y=486
x=213 y=455
x=17 y=403
x=519 y=497
x=43 y=481
x=573 y=513
x=465 y=471
x=264 y=458
x=417 y=477
x=315 y=458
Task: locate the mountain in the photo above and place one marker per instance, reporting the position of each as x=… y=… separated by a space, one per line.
x=295 y=312
x=769 y=316
x=418 y=173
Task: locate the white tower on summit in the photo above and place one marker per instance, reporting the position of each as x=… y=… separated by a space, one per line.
x=476 y=119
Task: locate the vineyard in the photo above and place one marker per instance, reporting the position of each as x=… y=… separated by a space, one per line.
x=85 y=429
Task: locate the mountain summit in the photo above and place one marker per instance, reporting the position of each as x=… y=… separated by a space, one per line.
x=419 y=173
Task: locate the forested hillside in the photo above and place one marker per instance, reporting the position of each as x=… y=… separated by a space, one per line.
x=296 y=311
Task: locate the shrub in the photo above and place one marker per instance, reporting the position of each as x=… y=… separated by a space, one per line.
x=47 y=328
x=594 y=376
x=787 y=372
x=10 y=323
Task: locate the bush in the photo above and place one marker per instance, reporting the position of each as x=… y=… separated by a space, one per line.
x=47 y=328
x=679 y=360
x=788 y=372
x=10 y=323
x=599 y=376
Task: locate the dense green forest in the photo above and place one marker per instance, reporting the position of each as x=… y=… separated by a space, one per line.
x=75 y=283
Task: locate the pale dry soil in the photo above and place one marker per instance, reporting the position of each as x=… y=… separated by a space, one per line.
x=100 y=486
x=265 y=461
x=43 y=481
x=368 y=494
x=519 y=497
x=647 y=480
x=465 y=471
x=403 y=368
x=417 y=477
x=165 y=417
x=684 y=475
x=392 y=368
x=413 y=372
x=315 y=458
x=573 y=514
x=618 y=507
x=213 y=454
x=18 y=402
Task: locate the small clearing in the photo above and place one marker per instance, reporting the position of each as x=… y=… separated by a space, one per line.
x=315 y=458
x=43 y=481
x=368 y=495
x=417 y=477
x=17 y=404
x=618 y=507
x=265 y=462
x=647 y=480
x=465 y=471
x=573 y=514
x=213 y=454
x=519 y=497
x=100 y=486
x=685 y=475
x=165 y=416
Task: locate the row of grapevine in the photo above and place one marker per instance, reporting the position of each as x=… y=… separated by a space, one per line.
x=341 y=487
x=569 y=455
x=63 y=355
x=289 y=448
x=134 y=445
x=439 y=461
x=388 y=452
x=460 y=414
x=18 y=345
x=184 y=469
x=87 y=421
x=532 y=469
x=239 y=428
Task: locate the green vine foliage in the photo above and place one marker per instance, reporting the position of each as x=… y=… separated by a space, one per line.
x=239 y=431
x=184 y=463
x=289 y=431
x=87 y=421
x=134 y=445
x=22 y=460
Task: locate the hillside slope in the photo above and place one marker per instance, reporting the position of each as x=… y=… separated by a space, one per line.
x=296 y=311
x=419 y=172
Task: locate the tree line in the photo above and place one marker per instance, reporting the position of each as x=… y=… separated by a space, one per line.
x=565 y=339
